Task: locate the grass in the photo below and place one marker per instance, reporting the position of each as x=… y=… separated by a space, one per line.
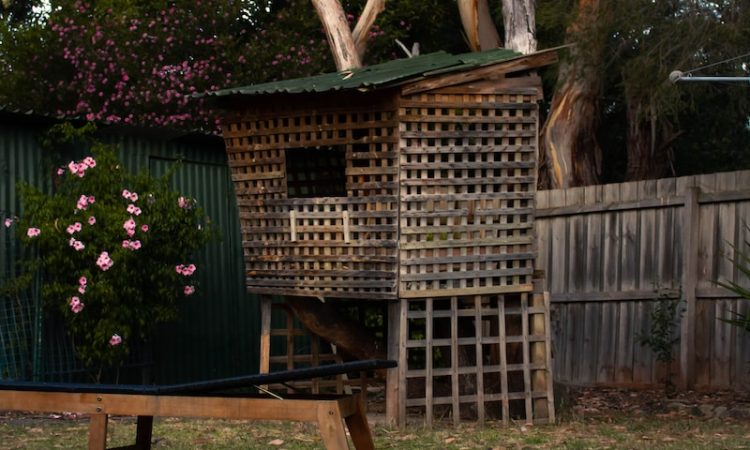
x=606 y=432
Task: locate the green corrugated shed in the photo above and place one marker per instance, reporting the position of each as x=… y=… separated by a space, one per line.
x=217 y=332
x=379 y=75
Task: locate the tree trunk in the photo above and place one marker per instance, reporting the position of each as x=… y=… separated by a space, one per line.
x=326 y=321
x=480 y=30
x=338 y=34
x=568 y=144
x=519 y=20
x=646 y=159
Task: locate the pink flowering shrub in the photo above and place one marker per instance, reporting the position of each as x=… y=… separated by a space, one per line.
x=108 y=244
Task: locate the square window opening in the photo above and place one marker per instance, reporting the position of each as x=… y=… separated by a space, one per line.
x=316 y=172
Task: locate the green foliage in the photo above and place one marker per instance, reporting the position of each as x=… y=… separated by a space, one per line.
x=696 y=127
x=741 y=261
x=108 y=276
x=663 y=335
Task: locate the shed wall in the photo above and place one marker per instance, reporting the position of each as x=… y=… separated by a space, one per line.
x=341 y=246
x=468 y=178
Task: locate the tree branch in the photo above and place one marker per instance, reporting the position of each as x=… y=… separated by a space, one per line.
x=364 y=24
x=478 y=25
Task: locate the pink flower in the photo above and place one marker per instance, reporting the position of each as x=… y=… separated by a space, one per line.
x=115 y=340
x=144 y=228
x=91 y=199
x=8 y=222
x=89 y=162
x=92 y=220
x=104 y=261
x=131 y=245
x=74 y=228
x=132 y=209
x=125 y=193
x=133 y=197
x=83 y=202
x=189 y=290
x=60 y=171
x=33 y=232
x=78 y=245
x=129 y=226
x=73 y=167
x=82 y=289
x=183 y=203
x=76 y=305
x=83 y=281
x=185 y=270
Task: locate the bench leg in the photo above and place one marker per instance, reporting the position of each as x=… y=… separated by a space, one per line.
x=98 y=432
x=331 y=425
x=144 y=428
x=359 y=428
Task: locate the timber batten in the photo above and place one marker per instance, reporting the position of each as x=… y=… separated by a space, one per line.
x=410 y=183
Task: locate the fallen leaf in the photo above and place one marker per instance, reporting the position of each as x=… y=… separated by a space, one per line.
x=276 y=442
x=449 y=440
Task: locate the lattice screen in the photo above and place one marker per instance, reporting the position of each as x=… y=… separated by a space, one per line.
x=477 y=358
x=468 y=177
x=330 y=246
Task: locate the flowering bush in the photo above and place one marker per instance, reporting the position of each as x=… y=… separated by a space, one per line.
x=115 y=251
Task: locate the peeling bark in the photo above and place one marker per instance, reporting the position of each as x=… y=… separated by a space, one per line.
x=519 y=21
x=568 y=142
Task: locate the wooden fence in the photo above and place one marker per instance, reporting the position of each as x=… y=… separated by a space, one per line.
x=610 y=252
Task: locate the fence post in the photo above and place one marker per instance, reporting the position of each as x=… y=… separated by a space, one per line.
x=690 y=242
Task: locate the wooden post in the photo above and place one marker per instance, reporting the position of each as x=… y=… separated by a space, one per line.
x=392 y=392
x=265 y=333
x=690 y=240
x=144 y=430
x=359 y=429
x=539 y=356
x=98 y=431
x=331 y=424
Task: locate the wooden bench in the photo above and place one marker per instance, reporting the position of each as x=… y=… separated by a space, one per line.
x=213 y=399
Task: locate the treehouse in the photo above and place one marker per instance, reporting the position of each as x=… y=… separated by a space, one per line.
x=412 y=183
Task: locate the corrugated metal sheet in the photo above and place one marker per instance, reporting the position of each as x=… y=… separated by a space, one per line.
x=217 y=332
x=378 y=75
x=20 y=159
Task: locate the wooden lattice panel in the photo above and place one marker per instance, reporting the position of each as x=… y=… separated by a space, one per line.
x=468 y=178
x=476 y=358
x=319 y=244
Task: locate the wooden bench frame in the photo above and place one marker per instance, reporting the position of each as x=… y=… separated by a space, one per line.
x=329 y=412
x=211 y=399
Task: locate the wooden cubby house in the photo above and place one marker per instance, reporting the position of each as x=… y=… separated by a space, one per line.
x=410 y=184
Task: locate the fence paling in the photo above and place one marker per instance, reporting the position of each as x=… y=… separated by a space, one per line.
x=608 y=252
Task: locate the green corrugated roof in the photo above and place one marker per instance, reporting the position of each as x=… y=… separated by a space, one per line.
x=379 y=75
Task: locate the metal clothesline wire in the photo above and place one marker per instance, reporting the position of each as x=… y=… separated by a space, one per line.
x=716 y=63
